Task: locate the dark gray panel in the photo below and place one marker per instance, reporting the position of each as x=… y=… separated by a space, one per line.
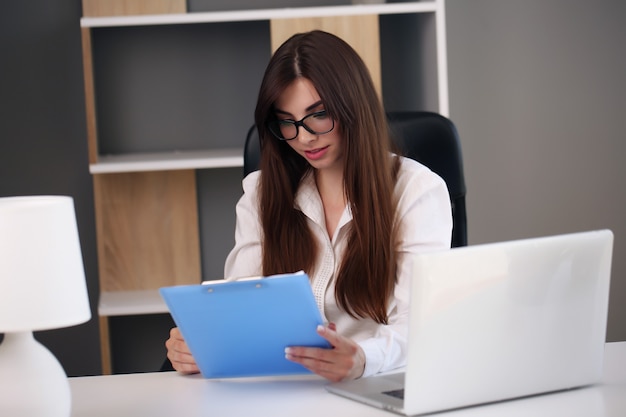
x=179 y=87
x=218 y=5
x=218 y=193
x=409 y=62
x=138 y=342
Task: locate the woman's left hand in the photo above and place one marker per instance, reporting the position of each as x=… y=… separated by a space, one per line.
x=344 y=361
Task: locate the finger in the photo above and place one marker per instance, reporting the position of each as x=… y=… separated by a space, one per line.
x=299 y=353
x=176 y=334
x=328 y=370
x=322 y=360
x=177 y=342
x=339 y=343
x=186 y=368
x=183 y=363
x=346 y=360
x=343 y=351
x=179 y=354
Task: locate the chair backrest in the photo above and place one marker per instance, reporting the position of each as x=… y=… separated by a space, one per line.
x=427 y=137
x=433 y=140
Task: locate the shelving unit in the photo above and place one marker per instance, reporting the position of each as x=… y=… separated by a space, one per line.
x=170 y=95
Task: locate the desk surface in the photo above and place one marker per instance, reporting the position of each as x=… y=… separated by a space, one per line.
x=168 y=394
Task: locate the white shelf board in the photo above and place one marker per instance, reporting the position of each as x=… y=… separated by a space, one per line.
x=260 y=14
x=131 y=303
x=168 y=161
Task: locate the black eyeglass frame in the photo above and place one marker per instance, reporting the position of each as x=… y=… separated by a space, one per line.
x=297 y=124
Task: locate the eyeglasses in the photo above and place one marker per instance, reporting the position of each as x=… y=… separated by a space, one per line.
x=317 y=123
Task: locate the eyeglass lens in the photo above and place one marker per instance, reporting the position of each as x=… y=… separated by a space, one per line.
x=316 y=123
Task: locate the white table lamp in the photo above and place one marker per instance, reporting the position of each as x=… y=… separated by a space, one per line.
x=42 y=286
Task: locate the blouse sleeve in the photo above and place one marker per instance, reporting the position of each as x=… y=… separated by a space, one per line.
x=244 y=260
x=425 y=217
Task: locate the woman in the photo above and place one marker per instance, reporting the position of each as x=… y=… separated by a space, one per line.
x=333 y=200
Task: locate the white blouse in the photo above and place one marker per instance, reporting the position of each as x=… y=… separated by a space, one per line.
x=426 y=215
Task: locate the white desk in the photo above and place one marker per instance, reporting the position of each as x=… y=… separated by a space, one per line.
x=168 y=394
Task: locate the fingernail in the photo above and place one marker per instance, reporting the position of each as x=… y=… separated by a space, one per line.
x=321 y=328
x=288 y=350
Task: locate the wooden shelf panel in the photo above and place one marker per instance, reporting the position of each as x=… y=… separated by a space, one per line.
x=168 y=161
x=132 y=7
x=261 y=14
x=147 y=228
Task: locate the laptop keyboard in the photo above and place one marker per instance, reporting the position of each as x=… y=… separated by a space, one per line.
x=397 y=393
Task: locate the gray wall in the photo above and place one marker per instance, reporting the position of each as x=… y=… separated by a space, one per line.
x=43 y=149
x=537 y=92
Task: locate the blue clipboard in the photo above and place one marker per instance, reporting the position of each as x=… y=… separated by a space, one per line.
x=241 y=328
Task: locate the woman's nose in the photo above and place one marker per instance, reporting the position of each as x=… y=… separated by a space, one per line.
x=304 y=136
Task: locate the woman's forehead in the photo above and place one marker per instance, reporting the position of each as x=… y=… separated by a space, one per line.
x=299 y=96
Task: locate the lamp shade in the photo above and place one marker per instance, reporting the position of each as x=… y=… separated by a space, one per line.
x=42 y=279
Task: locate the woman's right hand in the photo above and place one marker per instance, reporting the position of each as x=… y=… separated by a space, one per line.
x=178 y=353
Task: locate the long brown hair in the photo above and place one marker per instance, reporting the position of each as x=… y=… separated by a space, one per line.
x=367 y=274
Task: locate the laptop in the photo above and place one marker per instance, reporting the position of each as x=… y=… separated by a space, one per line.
x=241 y=328
x=499 y=321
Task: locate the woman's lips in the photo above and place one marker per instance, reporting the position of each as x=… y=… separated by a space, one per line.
x=315 y=154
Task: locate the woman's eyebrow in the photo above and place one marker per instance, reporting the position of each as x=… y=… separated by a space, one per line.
x=309 y=108
x=314 y=105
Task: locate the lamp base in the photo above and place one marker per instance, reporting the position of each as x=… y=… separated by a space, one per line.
x=33 y=381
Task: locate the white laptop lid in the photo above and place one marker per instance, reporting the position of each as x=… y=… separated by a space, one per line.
x=499 y=321
x=505 y=320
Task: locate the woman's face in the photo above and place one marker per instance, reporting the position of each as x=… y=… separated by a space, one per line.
x=299 y=100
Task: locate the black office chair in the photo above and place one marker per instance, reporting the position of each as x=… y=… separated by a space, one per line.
x=427 y=137
x=433 y=140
